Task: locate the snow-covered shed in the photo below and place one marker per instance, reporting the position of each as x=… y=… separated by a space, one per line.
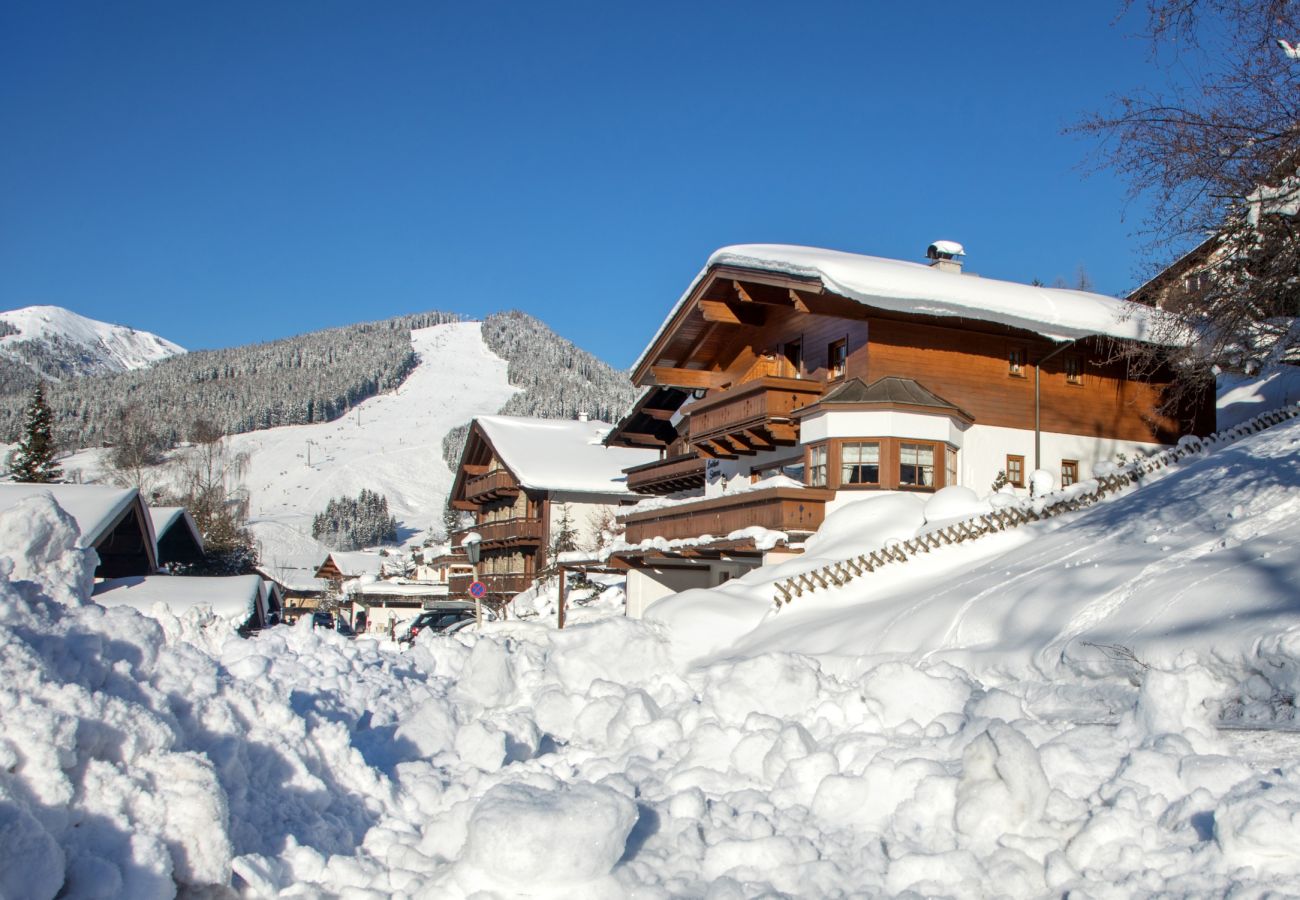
x=240 y=599
x=112 y=520
x=176 y=535
x=534 y=485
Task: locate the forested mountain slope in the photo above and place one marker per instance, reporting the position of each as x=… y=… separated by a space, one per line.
x=314 y=377
x=559 y=380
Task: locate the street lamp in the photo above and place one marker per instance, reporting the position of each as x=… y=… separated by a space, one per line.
x=473 y=544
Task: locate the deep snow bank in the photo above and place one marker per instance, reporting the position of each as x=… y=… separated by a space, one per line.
x=1201 y=564
x=139 y=756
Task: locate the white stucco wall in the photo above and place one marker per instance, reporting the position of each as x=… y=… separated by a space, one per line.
x=645 y=586
x=584 y=512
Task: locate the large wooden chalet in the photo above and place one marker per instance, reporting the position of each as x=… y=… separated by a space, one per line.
x=848 y=374
x=524 y=480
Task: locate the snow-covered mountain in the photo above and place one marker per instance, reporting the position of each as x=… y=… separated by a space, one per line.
x=59 y=343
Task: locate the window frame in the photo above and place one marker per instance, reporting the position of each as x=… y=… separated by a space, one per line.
x=809 y=468
x=921 y=485
x=839 y=462
x=1074 y=371
x=1071 y=465
x=1020 y=460
x=833 y=372
x=1017 y=361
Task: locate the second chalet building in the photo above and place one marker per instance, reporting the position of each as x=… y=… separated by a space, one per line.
x=533 y=486
x=789 y=380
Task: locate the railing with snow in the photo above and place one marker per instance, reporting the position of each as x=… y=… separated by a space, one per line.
x=1032 y=510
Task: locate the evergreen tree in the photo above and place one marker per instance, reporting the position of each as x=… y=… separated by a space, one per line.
x=32 y=461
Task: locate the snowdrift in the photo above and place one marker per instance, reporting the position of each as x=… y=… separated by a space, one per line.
x=148 y=758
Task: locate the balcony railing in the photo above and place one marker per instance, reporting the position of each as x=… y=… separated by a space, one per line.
x=796 y=511
x=750 y=417
x=499 y=587
x=664 y=476
x=490 y=486
x=506 y=533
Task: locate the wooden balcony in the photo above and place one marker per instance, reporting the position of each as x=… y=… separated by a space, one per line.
x=499 y=587
x=508 y=533
x=752 y=416
x=796 y=511
x=491 y=485
x=664 y=476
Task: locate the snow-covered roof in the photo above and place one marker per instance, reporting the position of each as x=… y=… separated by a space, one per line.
x=892 y=284
x=396 y=588
x=95 y=507
x=562 y=454
x=356 y=563
x=294 y=573
x=235 y=597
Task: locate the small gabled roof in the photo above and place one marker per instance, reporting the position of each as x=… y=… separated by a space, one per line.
x=350 y=565
x=176 y=534
x=891 y=390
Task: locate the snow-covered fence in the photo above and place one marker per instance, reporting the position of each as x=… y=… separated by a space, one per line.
x=1075 y=497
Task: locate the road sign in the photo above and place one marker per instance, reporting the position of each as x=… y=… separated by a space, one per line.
x=477 y=590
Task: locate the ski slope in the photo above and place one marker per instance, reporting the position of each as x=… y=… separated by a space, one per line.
x=391 y=443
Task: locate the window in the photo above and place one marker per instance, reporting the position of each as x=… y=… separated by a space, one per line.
x=817 y=466
x=792 y=352
x=1073 y=370
x=1016 y=362
x=916 y=465
x=949 y=467
x=1016 y=471
x=1069 y=472
x=860 y=463
x=836 y=358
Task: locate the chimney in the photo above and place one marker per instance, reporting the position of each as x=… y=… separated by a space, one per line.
x=945 y=256
x=583 y=417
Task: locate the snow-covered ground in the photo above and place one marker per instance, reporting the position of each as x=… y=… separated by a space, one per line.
x=951 y=734
x=106 y=348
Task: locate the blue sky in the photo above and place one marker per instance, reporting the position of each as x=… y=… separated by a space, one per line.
x=225 y=173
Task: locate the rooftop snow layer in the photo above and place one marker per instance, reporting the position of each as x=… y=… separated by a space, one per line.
x=891 y=284
x=234 y=597
x=562 y=454
x=95 y=507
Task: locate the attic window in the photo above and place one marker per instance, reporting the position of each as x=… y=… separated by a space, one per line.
x=836 y=358
x=1016 y=362
x=1073 y=370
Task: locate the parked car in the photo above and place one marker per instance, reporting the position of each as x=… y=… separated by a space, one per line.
x=446 y=617
x=335 y=623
